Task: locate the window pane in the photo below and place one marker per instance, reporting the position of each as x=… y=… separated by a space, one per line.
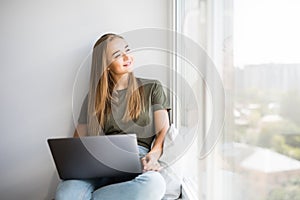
x=265 y=151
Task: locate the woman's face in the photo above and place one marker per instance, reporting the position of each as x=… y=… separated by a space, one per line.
x=119 y=57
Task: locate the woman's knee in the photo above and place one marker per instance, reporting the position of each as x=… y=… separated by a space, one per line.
x=154 y=185
x=74 y=189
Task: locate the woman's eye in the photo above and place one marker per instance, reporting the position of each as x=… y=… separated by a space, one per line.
x=117 y=55
x=127 y=50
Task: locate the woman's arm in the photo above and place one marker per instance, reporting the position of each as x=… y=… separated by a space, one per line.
x=161 y=122
x=80 y=131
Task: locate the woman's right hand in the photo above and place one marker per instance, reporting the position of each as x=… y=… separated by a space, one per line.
x=150 y=161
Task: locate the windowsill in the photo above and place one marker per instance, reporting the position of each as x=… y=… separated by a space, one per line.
x=189 y=189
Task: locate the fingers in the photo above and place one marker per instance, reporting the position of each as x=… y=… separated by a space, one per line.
x=155 y=167
x=150 y=165
x=144 y=162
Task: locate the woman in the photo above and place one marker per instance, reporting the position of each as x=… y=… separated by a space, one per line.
x=120 y=103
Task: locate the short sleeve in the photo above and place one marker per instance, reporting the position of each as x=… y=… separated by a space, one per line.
x=159 y=98
x=83 y=112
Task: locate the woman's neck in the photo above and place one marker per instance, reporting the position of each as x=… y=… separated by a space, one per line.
x=121 y=82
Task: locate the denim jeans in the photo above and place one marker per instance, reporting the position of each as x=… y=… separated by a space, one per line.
x=146 y=186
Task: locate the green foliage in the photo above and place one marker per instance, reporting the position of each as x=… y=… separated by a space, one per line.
x=282 y=136
x=287 y=191
x=290 y=106
x=293 y=140
x=280 y=127
x=278 y=143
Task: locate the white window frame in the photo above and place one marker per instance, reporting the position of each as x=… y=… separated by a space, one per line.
x=213 y=9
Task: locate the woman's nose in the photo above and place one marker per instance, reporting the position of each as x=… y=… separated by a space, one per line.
x=125 y=56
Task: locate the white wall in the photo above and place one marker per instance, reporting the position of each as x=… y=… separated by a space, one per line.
x=43 y=43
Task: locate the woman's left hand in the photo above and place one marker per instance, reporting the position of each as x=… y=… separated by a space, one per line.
x=150 y=161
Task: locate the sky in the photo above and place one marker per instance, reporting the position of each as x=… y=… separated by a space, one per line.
x=266 y=31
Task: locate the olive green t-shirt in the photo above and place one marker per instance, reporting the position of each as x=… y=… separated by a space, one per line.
x=155 y=99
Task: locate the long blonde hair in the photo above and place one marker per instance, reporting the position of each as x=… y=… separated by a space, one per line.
x=102 y=86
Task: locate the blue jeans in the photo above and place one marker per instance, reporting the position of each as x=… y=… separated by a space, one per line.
x=147 y=186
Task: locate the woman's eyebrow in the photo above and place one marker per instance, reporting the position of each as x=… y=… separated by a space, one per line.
x=115 y=52
x=119 y=50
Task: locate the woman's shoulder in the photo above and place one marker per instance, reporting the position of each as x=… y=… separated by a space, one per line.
x=148 y=82
x=151 y=86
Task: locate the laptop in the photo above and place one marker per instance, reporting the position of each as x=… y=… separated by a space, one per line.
x=96 y=156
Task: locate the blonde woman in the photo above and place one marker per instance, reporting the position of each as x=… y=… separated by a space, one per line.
x=120 y=103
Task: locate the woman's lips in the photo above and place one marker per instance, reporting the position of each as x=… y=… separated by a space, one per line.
x=127 y=64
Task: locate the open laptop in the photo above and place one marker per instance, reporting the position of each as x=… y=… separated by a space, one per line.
x=96 y=156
